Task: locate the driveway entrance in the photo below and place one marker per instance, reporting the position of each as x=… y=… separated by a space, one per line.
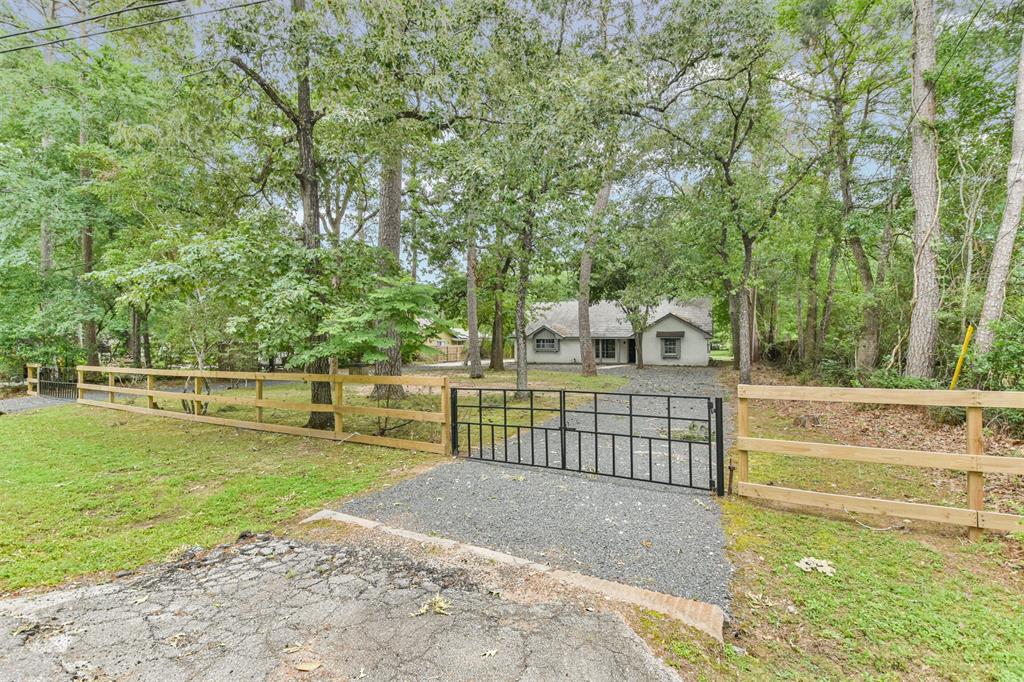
x=659 y=537
x=669 y=439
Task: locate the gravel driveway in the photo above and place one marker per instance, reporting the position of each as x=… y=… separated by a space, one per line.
x=652 y=536
x=282 y=610
x=27 y=402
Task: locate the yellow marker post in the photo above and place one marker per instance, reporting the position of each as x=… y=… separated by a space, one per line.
x=963 y=354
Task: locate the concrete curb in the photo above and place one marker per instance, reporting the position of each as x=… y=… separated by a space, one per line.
x=708 y=618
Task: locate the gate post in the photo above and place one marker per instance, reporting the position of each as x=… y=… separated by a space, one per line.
x=719 y=449
x=561 y=424
x=453 y=419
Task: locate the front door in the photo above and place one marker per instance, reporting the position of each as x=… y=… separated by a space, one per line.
x=631 y=355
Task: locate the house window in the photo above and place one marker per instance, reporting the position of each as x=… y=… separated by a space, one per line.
x=542 y=345
x=670 y=349
x=605 y=349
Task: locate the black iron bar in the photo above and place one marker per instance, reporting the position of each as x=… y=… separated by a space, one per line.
x=631 y=435
x=719 y=451
x=504 y=414
x=650 y=460
x=690 y=446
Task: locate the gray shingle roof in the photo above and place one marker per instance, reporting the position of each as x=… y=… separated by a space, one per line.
x=608 y=321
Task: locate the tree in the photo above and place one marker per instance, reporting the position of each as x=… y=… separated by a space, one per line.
x=924 y=186
x=1002 y=251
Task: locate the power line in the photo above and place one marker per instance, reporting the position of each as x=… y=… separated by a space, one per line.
x=114 y=13
x=128 y=28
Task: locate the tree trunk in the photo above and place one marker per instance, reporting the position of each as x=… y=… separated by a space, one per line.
x=135 y=338
x=589 y=364
x=45 y=236
x=830 y=290
x=924 y=186
x=1002 y=251
x=743 y=299
x=811 y=314
x=147 y=347
x=744 y=346
x=475 y=369
x=390 y=239
x=639 y=336
x=522 y=289
x=89 y=332
x=498 y=328
x=734 y=322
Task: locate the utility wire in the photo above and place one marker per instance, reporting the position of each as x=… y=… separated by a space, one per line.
x=114 y=13
x=128 y=28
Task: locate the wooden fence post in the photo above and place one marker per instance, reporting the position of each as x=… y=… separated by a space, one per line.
x=975 y=479
x=33 y=373
x=742 y=430
x=81 y=380
x=259 y=397
x=197 y=406
x=446 y=412
x=339 y=400
x=110 y=382
x=150 y=400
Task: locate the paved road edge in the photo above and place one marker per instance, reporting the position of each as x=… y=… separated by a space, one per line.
x=708 y=618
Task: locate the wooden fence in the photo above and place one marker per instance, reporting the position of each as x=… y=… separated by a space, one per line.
x=338 y=407
x=975 y=462
x=32 y=378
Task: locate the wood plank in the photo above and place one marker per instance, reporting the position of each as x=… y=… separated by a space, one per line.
x=401 y=443
x=1011 y=523
x=298 y=407
x=867 y=505
x=1006 y=399
x=338 y=397
x=383 y=441
x=446 y=414
x=174 y=395
x=975 y=479
x=882 y=396
x=742 y=430
x=150 y=385
x=219 y=421
x=405 y=380
x=259 y=397
x=914 y=458
x=416 y=415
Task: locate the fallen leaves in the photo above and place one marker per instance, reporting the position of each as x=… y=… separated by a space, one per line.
x=437 y=605
x=308 y=666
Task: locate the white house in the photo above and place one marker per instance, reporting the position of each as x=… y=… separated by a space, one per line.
x=679 y=333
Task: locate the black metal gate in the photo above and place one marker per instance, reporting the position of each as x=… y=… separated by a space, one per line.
x=57 y=382
x=668 y=439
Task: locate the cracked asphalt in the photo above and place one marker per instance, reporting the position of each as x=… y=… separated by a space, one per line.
x=275 y=609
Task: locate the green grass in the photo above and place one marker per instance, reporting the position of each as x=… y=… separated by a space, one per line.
x=899 y=606
x=919 y=604
x=723 y=355
x=84 y=489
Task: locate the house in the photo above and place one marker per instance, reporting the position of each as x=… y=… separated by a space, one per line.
x=679 y=333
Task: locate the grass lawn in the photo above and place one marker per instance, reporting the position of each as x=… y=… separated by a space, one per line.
x=84 y=489
x=920 y=604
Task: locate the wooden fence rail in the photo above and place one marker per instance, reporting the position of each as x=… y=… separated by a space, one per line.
x=974 y=461
x=338 y=406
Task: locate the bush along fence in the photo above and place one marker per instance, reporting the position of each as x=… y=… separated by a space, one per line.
x=196 y=400
x=975 y=462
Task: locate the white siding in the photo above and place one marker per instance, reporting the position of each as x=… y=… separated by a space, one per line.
x=569 y=351
x=693 y=347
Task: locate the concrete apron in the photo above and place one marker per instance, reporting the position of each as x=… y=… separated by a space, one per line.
x=708 y=618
